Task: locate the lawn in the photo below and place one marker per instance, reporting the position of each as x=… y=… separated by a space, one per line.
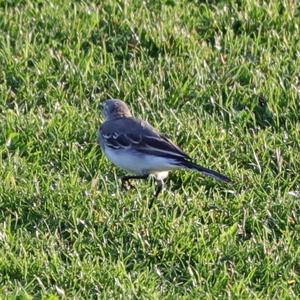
x=221 y=78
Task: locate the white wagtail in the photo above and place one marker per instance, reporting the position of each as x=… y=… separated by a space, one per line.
x=135 y=146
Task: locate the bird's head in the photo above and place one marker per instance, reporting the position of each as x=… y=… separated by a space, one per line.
x=114 y=108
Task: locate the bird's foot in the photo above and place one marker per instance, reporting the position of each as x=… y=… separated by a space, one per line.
x=126 y=184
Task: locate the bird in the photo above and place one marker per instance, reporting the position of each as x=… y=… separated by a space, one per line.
x=135 y=146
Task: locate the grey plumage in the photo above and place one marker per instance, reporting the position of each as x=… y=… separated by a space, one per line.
x=139 y=135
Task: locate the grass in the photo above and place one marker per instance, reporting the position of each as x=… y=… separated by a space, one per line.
x=219 y=77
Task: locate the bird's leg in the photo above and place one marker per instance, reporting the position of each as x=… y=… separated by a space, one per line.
x=159 y=188
x=125 y=179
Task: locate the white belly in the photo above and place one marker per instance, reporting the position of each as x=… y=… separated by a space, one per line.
x=139 y=163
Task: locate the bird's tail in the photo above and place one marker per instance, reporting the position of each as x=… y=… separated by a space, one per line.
x=205 y=171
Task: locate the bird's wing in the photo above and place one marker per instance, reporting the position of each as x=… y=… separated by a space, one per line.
x=129 y=133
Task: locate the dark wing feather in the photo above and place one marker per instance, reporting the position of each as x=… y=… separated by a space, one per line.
x=140 y=137
x=160 y=146
x=116 y=141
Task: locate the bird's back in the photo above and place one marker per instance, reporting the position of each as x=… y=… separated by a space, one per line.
x=138 y=131
x=128 y=126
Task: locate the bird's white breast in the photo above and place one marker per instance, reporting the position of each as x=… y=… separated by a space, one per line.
x=138 y=163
